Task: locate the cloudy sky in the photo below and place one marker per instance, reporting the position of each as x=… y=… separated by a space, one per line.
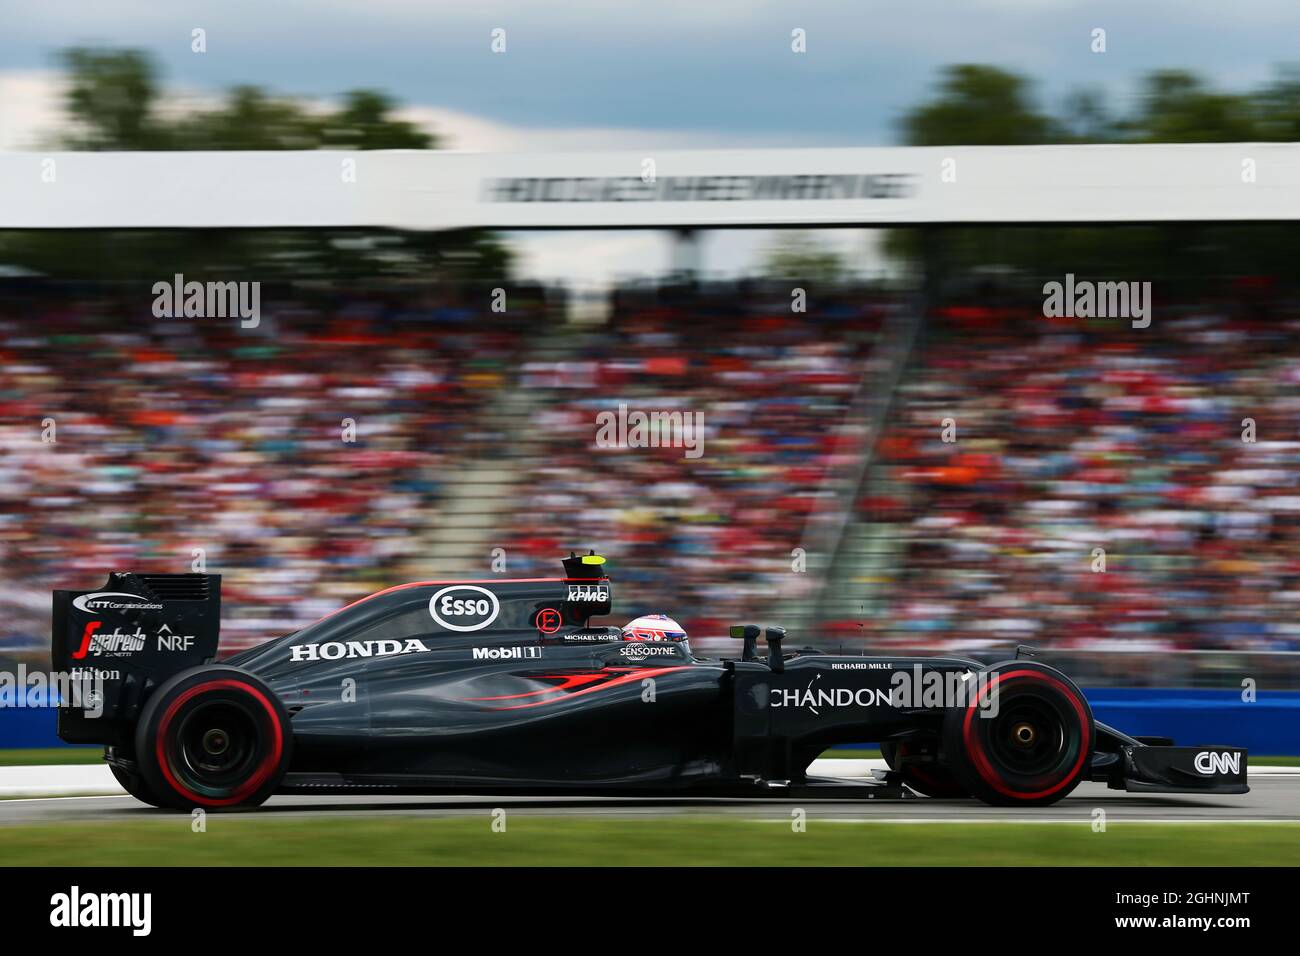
x=614 y=74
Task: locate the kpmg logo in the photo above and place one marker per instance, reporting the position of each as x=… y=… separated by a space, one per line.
x=598 y=593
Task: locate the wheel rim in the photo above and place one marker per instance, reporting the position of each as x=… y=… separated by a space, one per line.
x=218 y=745
x=1028 y=736
x=1039 y=740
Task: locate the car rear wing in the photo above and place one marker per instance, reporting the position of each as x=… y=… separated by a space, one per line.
x=126 y=638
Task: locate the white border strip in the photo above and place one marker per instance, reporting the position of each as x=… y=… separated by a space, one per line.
x=443 y=189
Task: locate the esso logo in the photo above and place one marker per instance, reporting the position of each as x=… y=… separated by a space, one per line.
x=464 y=607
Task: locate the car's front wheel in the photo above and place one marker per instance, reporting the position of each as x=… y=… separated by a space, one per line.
x=214 y=737
x=1026 y=738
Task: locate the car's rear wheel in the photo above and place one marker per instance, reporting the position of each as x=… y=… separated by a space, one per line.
x=916 y=761
x=214 y=737
x=1026 y=739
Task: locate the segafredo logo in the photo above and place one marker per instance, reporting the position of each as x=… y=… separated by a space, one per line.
x=464 y=607
x=117 y=644
x=814 y=697
x=1210 y=762
x=338 y=650
x=114 y=601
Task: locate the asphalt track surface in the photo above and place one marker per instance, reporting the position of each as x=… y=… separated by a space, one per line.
x=1272 y=798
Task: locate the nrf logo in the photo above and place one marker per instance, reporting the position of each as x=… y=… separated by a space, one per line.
x=169 y=641
x=506 y=653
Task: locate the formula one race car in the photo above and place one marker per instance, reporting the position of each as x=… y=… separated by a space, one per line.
x=503 y=686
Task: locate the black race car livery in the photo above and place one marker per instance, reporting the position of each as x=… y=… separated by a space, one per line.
x=504 y=686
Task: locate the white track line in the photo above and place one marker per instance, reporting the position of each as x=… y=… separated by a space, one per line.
x=56 y=780
x=1073 y=821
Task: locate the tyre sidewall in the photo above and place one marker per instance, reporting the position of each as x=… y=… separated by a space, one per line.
x=157 y=758
x=966 y=748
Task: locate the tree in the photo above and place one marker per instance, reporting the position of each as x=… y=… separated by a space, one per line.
x=975 y=106
x=979 y=106
x=113 y=97
x=1177 y=108
x=110 y=99
x=1279 y=108
x=365 y=122
x=1087 y=119
x=113 y=103
x=249 y=119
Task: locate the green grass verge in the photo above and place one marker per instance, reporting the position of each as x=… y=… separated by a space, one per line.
x=252 y=840
x=863 y=754
x=50 y=755
x=1273 y=761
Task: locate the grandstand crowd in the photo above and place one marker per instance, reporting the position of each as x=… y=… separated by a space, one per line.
x=170 y=435
x=706 y=540
x=1109 y=487
x=163 y=436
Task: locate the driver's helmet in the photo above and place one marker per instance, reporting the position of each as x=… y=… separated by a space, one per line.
x=653 y=627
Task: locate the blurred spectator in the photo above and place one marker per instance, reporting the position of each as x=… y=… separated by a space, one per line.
x=707 y=540
x=180 y=434
x=174 y=435
x=1078 y=435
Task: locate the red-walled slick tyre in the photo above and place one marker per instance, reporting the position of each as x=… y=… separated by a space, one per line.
x=214 y=737
x=1032 y=747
